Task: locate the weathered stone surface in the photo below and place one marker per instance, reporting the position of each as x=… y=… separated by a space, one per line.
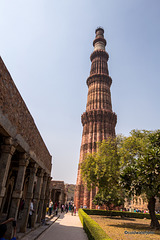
x=17 y=121
x=99 y=120
x=58 y=192
x=70 y=188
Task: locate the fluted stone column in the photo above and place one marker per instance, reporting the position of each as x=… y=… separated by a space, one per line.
x=29 y=196
x=82 y=195
x=17 y=193
x=94 y=136
x=99 y=139
x=90 y=136
x=42 y=197
x=89 y=150
x=47 y=197
x=8 y=150
x=37 y=194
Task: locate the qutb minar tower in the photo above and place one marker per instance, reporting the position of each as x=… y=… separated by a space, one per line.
x=98 y=121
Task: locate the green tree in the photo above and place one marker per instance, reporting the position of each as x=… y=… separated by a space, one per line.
x=102 y=170
x=140 y=167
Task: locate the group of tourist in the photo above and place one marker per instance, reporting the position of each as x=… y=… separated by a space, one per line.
x=138 y=210
x=54 y=207
x=51 y=209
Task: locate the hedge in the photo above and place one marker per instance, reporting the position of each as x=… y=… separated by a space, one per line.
x=119 y=213
x=92 y=229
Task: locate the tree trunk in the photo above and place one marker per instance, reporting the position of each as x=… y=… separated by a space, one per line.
x=151 y=206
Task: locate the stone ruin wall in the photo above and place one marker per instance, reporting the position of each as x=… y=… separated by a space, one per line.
x=17 y=121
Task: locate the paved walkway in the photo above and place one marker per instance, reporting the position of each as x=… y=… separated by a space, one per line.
x=67 y=227
x=32 y=234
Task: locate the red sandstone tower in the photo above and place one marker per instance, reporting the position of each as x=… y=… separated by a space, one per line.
x=98 y=121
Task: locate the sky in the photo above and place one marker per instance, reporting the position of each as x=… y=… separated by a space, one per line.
x=46 y=46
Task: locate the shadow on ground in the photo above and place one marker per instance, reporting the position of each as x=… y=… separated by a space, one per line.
x=64 y=230
x=118 y=218
x=135 y=226
x=33 y=233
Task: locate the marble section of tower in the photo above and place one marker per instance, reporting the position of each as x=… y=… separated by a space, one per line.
x=98 y=121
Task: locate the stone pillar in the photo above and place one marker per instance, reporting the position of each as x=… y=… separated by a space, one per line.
x=42 y=197
x=17 y=193
x=54 y=196
x=62 y=197
x=37 y=194
x=8 y=150
x=47 y=197
x=29 y=196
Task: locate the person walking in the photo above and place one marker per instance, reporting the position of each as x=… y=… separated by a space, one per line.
x=30 y=214
x=74 y=210
x=50 y=207
x=56 y=210
x=61 y=208
x=69 y=206
x=66 y=208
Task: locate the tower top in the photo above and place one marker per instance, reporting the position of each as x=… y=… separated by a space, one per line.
x=99 y=30
x=99 y=42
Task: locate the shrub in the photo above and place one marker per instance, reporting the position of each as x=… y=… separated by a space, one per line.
x=119 y=213
x=92 y=229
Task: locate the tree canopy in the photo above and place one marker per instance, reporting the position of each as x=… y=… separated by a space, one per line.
x=130 y=164
x=102 y=169
x=140 y=167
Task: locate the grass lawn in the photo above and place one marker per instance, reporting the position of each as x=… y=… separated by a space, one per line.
x=127 y=228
